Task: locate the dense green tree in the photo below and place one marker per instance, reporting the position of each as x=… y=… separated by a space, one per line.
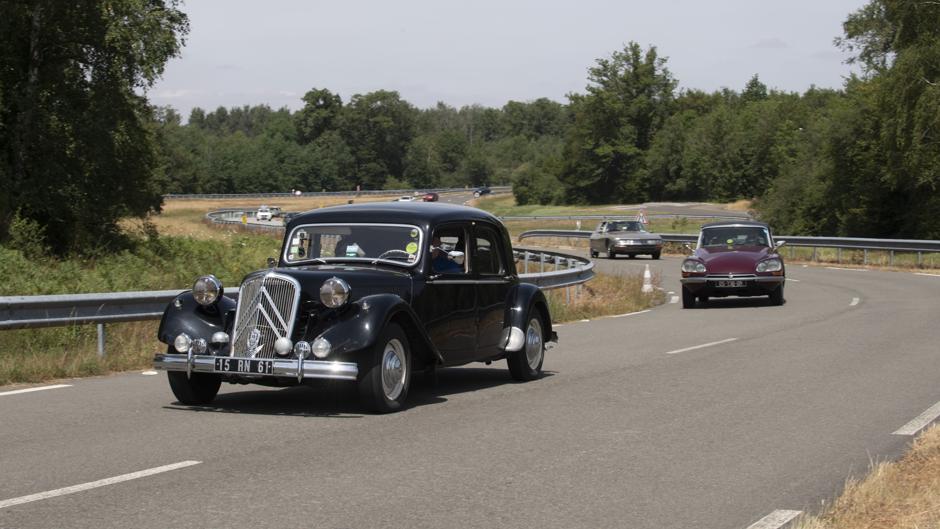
x=319 y=114
x=77 y=149
x=378 y=127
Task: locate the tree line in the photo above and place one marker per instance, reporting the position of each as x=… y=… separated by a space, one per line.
x=81 y=148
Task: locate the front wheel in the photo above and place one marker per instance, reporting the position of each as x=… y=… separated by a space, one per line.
x=656 y=255
x=688 y=298
x=526 y=363
x=198 y=389
x=776 y=297
x=610 y=252
x=384 y=383
x=593 y=254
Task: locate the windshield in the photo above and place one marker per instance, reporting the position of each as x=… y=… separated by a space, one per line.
x=625 y=226
x=389 y=243
x=735 y=236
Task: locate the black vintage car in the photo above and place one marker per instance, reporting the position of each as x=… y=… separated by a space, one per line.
x=369 y=293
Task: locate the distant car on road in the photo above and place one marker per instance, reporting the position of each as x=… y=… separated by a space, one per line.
x=734 y=259
x=365 y=293
x=430 y=197
x=405 y=198
x=480 y=191
x=627 y=237
x=264 y=213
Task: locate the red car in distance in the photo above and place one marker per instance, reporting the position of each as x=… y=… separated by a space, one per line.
x=430 y=197
x=734 y=259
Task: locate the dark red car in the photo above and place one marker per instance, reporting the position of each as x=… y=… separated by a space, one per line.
x=734 y=259
x=430 y=197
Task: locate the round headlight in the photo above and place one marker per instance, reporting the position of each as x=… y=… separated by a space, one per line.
x=182 y=343
x=770 y=265
x=283 y=346
x=321 y=348
x=691 y=265
x=207 y=290
x=334 y=292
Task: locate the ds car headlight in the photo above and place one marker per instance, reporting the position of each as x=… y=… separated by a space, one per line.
x=207 y=290
x=770 y=265
x=691 y=265
x=334 y=292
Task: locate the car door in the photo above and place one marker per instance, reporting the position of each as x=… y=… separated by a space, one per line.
x=489 y=266
x=448 y=305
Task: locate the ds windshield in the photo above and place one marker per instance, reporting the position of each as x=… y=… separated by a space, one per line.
x=735 y=236
x=389 y=243
x=625 y=226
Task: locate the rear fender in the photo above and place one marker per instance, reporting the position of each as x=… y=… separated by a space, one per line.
x=523 y=299
x=184 y=315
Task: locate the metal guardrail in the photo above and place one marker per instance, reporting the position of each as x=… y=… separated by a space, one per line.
x=29 y=312
x=213 y=196
x=793 y=241
x=742 y=216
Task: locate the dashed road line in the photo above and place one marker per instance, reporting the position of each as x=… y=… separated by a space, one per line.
x=704 y=345
x=849 y=269
x=920 y=422
x=30 y=390
x=928 y=275
x=149 y=373
x=775 y=520
x=624 y=315
x=95 y=484
x=794 y=280
x=674 y=299
x=854 y=302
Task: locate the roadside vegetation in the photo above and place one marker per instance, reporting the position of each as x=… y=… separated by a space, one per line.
x=903 y=494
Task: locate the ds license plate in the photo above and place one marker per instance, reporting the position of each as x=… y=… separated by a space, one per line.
x=731 y=284
x=244 y=365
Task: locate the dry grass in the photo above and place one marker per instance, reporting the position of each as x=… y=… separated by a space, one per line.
x=898 y=495
x=605 y=295
x=740 y=205
x=69 y=352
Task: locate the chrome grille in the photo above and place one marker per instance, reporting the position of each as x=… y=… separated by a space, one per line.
x=267 y=307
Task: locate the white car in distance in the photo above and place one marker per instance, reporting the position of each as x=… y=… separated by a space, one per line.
x=263 y=213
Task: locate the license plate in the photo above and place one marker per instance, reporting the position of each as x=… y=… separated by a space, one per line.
x=731 y=284
x=244 y=365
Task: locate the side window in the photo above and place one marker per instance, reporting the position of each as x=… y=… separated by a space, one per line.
x=444 y=243
x=486 y=257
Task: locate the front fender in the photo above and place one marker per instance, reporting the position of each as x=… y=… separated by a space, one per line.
x=183 y=314
x=522 y=300
x=359 y=328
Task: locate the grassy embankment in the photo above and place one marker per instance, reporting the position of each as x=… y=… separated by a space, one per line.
x=186 y=247
x=504 y=205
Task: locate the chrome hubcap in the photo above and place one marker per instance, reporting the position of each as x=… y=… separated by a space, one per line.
x=394 y=369
x=533 y=344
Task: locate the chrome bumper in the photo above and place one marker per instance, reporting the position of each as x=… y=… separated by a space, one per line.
x=283 y=367
x=759 y=280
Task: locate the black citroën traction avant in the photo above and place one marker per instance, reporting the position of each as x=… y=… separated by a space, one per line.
x=368 y=293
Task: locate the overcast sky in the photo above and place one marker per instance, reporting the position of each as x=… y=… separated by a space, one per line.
x=242 y=52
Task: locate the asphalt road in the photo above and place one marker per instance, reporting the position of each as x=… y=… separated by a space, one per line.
x=632 y=426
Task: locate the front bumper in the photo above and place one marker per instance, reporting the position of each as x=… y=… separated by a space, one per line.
x=636 y=248
x=282 y=368
x=753 y=286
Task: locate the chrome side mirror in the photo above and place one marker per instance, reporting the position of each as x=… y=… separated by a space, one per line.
x=455 y=256
x=779 y=244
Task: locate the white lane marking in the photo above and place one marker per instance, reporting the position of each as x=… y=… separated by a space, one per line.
x=630 y=313
x=928 y=275
x=920 y=421
x=674 y=299
x=794 y=280
x=775 y=520
x=95 y=484
x=584 y=321
x=854 y=302
x=849 y=269
x=694 y=347
x=30 y=390
x=149 y=373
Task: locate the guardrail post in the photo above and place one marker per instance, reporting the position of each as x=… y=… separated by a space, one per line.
x=542 y=262
x=839 y=255
x=814 y=254
x=920 y=259
x=791 y=252
x=891 y=258
x=100 y=340
x=865 y=256
x=526 y=260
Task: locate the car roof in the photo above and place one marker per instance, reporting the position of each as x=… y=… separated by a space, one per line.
x=736 y=223
x=416 y=213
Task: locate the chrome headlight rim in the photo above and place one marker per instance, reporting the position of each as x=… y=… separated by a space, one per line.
x=770 y=265
x=693 y=266
x=207 y=290
x=334 y=292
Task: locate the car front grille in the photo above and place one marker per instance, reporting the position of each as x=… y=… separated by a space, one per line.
x=267 y=308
